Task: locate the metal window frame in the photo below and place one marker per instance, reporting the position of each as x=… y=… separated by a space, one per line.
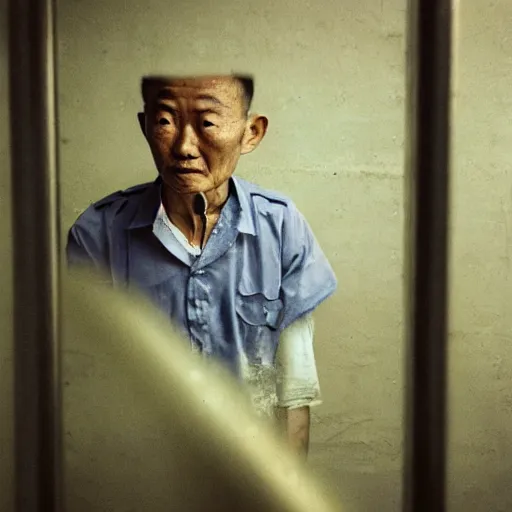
x=36 y=253
x=429 y=32
x=36 y=262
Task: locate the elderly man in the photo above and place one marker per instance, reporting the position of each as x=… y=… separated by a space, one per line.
x=235 y=266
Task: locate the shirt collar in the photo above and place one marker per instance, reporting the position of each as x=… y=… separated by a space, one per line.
x=147 y=209
x=246 y=223
x=150 y=203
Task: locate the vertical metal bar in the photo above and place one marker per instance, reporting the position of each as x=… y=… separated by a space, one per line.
x=428 y=117
x=35 y=200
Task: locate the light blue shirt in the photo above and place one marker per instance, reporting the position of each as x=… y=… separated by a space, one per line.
x=260 y=270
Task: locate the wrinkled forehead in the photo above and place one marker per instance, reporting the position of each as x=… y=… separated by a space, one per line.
x=222 y=89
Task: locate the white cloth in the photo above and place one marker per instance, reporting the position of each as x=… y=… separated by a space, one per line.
x=296 y=378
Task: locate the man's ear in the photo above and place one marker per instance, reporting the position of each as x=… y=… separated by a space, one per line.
x=142 y=122
x=254 y=133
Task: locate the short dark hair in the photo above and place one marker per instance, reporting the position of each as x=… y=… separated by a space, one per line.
x=246 y=81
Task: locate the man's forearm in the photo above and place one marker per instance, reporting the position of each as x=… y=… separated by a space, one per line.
x=296 y=426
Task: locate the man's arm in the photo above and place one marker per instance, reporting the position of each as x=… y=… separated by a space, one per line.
x=298 y=386
x=295 y=423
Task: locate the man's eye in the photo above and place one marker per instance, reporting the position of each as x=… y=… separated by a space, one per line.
x=207 y=124
x=163 y=121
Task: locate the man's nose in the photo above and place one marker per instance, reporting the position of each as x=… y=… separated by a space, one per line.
x=185 y=145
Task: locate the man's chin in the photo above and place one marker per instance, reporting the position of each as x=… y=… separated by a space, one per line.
x=186 y=183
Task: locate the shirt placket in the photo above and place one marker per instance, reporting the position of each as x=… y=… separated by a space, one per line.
x=198 y=307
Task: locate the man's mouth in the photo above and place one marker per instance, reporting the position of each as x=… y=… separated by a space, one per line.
x=186 y=170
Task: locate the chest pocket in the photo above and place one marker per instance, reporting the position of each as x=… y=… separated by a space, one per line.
x=258 y=301
x=258 y=310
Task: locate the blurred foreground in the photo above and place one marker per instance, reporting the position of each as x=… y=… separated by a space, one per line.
x=150 y=426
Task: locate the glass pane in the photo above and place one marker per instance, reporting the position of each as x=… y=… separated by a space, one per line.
x=330 y=77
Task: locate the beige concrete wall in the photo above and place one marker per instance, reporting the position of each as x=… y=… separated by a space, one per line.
x=330 y=76
x=481 y=350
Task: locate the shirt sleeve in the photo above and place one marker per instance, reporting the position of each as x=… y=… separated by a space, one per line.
x=308 y=278
x=297 y=377
x=86 y=244
x=76 y=254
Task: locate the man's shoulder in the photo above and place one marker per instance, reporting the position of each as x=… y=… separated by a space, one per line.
x=108 y=207
x=121 y=196
x=258 y=193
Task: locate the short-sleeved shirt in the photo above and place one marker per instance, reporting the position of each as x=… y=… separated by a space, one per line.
x=261 y=269
x=296 y=381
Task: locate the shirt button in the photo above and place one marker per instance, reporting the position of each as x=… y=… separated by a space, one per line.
x=199 y=272
x=197 y=303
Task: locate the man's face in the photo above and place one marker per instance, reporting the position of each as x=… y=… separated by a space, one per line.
x=197 y=128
